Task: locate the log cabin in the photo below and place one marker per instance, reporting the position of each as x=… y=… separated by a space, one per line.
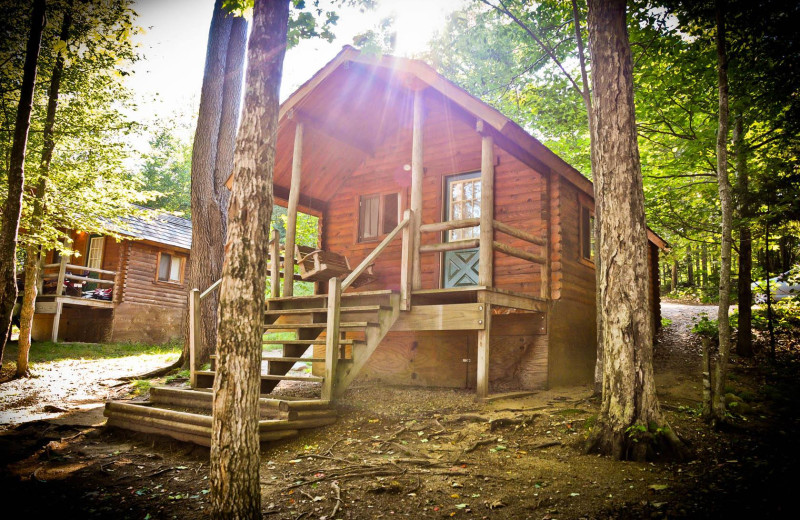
x=454 y=250
x=131 y=289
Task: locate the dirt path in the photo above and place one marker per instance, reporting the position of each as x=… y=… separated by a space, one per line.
x=436 y=453
x=71 y=385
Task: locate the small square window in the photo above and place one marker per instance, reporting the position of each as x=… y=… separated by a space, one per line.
x=169 y=268
x=377 y=215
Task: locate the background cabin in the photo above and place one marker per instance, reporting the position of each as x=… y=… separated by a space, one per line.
x=143 y=276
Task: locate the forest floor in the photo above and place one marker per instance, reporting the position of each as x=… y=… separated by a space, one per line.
x=433 y=453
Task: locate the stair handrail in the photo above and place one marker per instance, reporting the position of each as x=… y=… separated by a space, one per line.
x=335 y=289
x=370 y=259
x=195 y=336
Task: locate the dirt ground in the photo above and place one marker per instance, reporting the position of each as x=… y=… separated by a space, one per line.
x=436 y=453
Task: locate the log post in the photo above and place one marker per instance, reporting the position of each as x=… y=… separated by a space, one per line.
x=62 y=273
x=195 y=335
x=291 y=214
x=57 y=320
x=275 y=264
x=484 y=341
x=332 y=337
x=417 y=171
x=486 y=266
x=406 y=263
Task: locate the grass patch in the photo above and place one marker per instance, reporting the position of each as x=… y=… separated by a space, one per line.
x=277 y=336
x=46 y=351
x=182 y=374
x=569 y=411
x=141 y=386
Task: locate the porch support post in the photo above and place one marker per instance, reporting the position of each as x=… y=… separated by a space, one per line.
x=486 y=266
x=417 y=171
x=194 y=334
x=332 y=338
x=57 y=320
x=291 y=221
x=275 y=264
x=484 y=341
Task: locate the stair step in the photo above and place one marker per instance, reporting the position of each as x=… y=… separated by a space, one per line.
x=308 y=341
x=310 y=379
x=296 y=359
x=344 y=325
x=361 y=308
x=267 y=377
x=313 y=297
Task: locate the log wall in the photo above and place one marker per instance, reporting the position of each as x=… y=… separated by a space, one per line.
x=451 y=146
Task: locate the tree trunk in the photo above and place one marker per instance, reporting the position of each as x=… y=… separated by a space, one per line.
x=629 y=398
x=212 y=163
x=32 y=254
x=235 y=486
x=744 y=338
x=689 y=267
x=721 y=372
x=16 y=176
x=704 y=263
x=674 y=275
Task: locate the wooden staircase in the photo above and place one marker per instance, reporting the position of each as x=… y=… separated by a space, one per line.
x=365 y=318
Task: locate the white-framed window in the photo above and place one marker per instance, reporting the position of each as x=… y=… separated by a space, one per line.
x=465 y=202
x=170 y=268
x=95 y=257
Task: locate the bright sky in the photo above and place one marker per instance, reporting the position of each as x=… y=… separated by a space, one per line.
x=168 y=78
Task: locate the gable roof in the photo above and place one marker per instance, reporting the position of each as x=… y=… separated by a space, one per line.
x=416 y=74
x=161 y=228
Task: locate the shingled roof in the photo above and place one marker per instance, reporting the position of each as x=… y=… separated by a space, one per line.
x=161 y=228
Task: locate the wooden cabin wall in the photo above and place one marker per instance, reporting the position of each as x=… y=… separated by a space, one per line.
x=572 y=325
x=451 y=146
x=518 y=358
x=149 y=311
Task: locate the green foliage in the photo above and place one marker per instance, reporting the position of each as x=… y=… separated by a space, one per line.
x=706 y=328
x=89 y=185
x=46 y=351
x=167 y=167
x=666 y=322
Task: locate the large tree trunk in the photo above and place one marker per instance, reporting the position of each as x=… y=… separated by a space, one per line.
x=744 y=338
x=235 y=486
x=32 y=254
x=629 y=398
x=212 y=163
x=16 y=176
x=726 y=203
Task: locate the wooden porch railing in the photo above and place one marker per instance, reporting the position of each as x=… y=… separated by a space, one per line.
x=542 y=259
x=63 y=275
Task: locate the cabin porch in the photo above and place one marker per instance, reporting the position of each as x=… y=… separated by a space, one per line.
x=86 y=296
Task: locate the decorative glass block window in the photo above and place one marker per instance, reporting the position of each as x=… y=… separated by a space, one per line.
x=464 y=202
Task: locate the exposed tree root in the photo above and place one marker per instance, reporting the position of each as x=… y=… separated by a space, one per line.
x=639 y=446
x=158 y=372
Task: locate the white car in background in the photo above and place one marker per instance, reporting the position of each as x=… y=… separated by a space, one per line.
x=780 y=287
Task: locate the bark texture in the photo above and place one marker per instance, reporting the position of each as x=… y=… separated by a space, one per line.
x=32 y=252
x=212 y=164
x=16 y=175
x=235 y=486
x=726 y=205
x=629 y=398
x=744 y=339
